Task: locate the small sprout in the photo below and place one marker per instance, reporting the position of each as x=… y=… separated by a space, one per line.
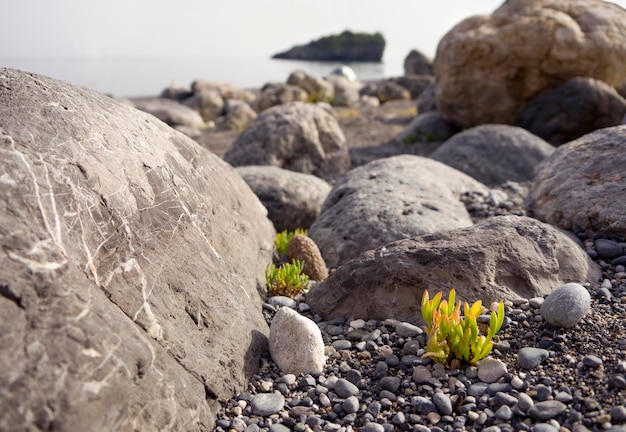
x=287 y=279
x=452 y=336
x=283 y=238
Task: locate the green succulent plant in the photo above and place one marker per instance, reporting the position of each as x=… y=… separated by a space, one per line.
x=454 y=336
x=283 y=238
x=286 y=279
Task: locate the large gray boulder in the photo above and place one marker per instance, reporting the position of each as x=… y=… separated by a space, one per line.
x=578 y=107
x=488 y=67
x=502 y=258
x=295 y=136
x=494 y=154
x=580 y=187
x=293 y=200
x=387 y=200
x=169 y=111
x=124 y=304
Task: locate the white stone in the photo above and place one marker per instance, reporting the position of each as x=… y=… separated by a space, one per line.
x=566 y=306
x=296 y=343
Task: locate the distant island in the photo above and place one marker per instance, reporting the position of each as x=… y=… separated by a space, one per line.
x=345 y=47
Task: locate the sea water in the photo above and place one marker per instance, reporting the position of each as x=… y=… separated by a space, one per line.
x=148 y=76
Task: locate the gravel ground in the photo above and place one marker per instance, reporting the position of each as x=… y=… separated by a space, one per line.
x=376 y=380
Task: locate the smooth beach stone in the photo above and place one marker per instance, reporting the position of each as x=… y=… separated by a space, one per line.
x=546 y=410
x=296 y=343
x=405 y=329
x=345 y=388
x=566 y=306
x=530 y=358
x=266 y=404
x=490 y=370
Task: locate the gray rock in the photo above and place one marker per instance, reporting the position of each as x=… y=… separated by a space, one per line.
x=417 y=63
x=390 y=383
x=238 y=114
x=345 y=388
x=494 y=154
x=423 y=405
x=546 y=410
x=491 y=370
x=278 y=427
x=209 y=104
x=524 y=402
x=372 y=427
x=566 y=306
x=427 y=131
x=427 y=100
x=504 y=413
x=543 y=427
x=618 y=414
x=346 y=90
x=405 y=329
x=385 y=91
x=277 y=94
x=319 y=90
x=502 y=398
x=580 y=187
x=442 y=402
x=502 y=258
x=266 y=404
x=169 y=111
x=292 y=199
x=608 y=249
x=122 y=276
x=421 y=374
x=386 y=200
x=351 y=404
x=530 y=358
x=296 y=343
x=226 y=90
x=414 y=83
x=592 y=361
x=295 y=136
x=575 y=108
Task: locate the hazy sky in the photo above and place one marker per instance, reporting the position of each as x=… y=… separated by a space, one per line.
x=61 y=28
x=48 y=36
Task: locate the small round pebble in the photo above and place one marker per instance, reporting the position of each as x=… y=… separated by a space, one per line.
x=443 y=403
x=345 y=388
x=372 y=427
x=491 y=370
x=405 y=329
x=618 y=414
x=530 y=358
x=566 y=305
x=351 y=404
x=543 y=427
x=592 y=361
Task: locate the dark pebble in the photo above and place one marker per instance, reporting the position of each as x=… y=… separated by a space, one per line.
x=592 y=361
x=608 y=248
x=619 y=261
x=546 y=410
x=390 y=383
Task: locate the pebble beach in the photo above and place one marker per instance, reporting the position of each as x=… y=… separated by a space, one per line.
x=537 y=378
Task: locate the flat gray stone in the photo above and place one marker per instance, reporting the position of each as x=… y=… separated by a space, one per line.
x=530 y=358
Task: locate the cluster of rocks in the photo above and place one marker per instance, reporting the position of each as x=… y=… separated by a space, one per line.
x=133 y=260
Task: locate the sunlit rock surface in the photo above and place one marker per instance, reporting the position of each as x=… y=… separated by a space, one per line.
x=130 y=267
